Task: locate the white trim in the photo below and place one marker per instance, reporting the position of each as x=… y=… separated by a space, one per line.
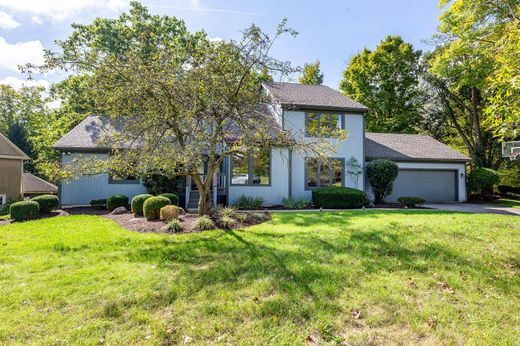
x=22 y=156
x=4 y=198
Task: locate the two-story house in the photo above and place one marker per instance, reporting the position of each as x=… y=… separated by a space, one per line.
x=427 y=168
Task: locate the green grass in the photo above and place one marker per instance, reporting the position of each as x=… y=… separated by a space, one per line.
x=504 y=202
x=415 y=276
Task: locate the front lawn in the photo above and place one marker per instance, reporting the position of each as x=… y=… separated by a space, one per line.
x=373 y=277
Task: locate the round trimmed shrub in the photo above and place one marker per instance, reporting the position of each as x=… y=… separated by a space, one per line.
x=25 y=210
x=381 y=175
x=411 y=201
x=335 y=197
x=172 y=197
x=482 y=180
x=47 y=203
x=169 y=213
x=152 y=207
x=138 y=202
x=116 y=201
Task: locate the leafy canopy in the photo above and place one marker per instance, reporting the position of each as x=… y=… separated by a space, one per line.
x=311 y=74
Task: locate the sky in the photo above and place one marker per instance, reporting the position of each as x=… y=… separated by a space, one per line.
x=329 y=30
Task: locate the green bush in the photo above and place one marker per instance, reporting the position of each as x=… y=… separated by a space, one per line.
x=381 y=175
x=169 y=212
x=411 y=201
x=482 y=180
x=116 y=201
x=25 y=210
x=157 y=184
x=172 y=197
x=335 y=197
x=296 y=203
x=227 y=222
x=509 y=189
x=98 y=203
x=152 y=207
x=248 y=202
x=4 y=208
x=174 y=226
x=47 y=203
x=203 y=223
x=138 y=202
x=227 y=211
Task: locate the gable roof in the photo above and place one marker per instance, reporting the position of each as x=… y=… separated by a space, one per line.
x=401 y=147
x=33 y=184
x=312 y=96
x=8 y=150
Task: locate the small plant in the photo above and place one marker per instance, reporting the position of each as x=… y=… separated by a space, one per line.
x=47 y=203
x=172 y=197
x=482 y=180
x=152 y=207
x=227 y=222
x=296 y=203
x=174 y=226
x=258 y=217
x=335 y=197
x=381 y=175
x=169 y=213
x=25 y=210
x=241 y=217
x=203 y=223
x=411 y=201
x=138 y=202
x=98 y=203
x=227 y=211
x=248 y=202
x=116 y=201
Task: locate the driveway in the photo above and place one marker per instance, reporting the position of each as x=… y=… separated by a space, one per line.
x=474 y=208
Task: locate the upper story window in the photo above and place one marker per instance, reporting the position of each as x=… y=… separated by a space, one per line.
x=321 y=174
x=318 y=124
x=252 y=169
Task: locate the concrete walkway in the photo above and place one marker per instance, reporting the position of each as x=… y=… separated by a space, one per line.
x=474 y=208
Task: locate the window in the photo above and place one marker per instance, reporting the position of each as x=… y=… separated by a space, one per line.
x=322 y=124
x=3 y=199
x=318 y=174
x=252 y=169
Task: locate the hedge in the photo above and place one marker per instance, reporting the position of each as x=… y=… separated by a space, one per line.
x=47 y=203
x=152 y=207
x=116 y=201
x=138 y=202
x=25 y=210
x=172 y=197
x=335 y=197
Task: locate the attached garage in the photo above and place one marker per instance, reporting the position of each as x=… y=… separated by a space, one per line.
x=432 y=185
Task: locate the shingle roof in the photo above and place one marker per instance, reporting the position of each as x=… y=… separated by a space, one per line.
x=400 y=147
x=312 y=96
x=33 y=184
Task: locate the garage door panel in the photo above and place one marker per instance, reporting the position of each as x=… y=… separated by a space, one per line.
x=432 y=185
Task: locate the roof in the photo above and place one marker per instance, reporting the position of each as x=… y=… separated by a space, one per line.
x=401 y=147
x=33 y=184
x=312 y=96
x=8 y=150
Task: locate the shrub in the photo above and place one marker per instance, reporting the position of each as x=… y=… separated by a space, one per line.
x=98 y=203
x=482 y=180
x=248 y=202
x=227 y=222
x=381 y=175
x=138 y=202
x=47 y=203
x=152 y=207
x=25 y=210
x=241 y=217
x=258 y=217
x=296 y=203
x=157 y=184
x=116 y=201
x=335 y=197
x=174 y=226
x=411 y=201
x=169 y=212
x=227 y=211
x=509 y=189
x=172 y=197
x=4 y=208
x=203 y=223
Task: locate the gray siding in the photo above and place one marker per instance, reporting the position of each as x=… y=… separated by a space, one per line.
x=82 y=190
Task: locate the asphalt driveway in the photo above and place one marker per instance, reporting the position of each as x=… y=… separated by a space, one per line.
x=474 y=208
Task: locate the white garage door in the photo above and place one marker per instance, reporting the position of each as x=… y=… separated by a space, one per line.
x=432 y=185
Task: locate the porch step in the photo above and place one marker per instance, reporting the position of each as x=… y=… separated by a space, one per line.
x=193 y=203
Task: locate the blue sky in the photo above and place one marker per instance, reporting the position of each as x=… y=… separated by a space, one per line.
x=331 y=31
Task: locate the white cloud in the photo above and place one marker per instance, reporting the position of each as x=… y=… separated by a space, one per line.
x=36 y=19
x=17 y=83
x=20 y=53
x=215 y=39
x=7 y=21
x=58 y=10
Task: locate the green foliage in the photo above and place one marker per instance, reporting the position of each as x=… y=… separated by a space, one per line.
x=482 y=180
x=381 y=175
x=25 y=210
x=228 y=211
x=335 y=197
x=158 y=184
x=174 y=226
x=138 y=202
x=98 y=203
x=203 y=223
x=505 y=189
x=296 y=203
x=386 y=80
x=173 y=197
x=248 y=202
x=152 y=207
x=226 y=222
x=117 y=200
x=411 y=201
x=312 y=74
x=169 y=212
x=4 y=208
x=264 y=75
x=47 y=203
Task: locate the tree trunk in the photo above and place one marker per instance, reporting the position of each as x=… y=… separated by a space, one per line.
x=205 y=201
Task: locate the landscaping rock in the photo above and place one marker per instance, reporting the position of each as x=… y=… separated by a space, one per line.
x=119 y=210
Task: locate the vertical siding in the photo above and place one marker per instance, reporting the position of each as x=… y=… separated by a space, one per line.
x=80 y=191
x=10 y=177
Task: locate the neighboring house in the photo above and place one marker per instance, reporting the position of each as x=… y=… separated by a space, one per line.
x=427 y=168
x=11 y=168
x=34 y=186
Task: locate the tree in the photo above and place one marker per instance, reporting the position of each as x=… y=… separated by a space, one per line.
x=265 y=76
x=180 y=98
x=311 y=74
x=386 y=80
x=381 y=175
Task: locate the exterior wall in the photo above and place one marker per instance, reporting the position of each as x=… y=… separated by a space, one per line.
x=10 y=177
x=82 y=190
x=294 y=121
x=273 y=193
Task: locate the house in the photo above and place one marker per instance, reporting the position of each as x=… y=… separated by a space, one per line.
x=34 y=186
x=11 y=169
x=427 y=168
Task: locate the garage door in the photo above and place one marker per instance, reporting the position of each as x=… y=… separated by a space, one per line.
x=432 y=185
